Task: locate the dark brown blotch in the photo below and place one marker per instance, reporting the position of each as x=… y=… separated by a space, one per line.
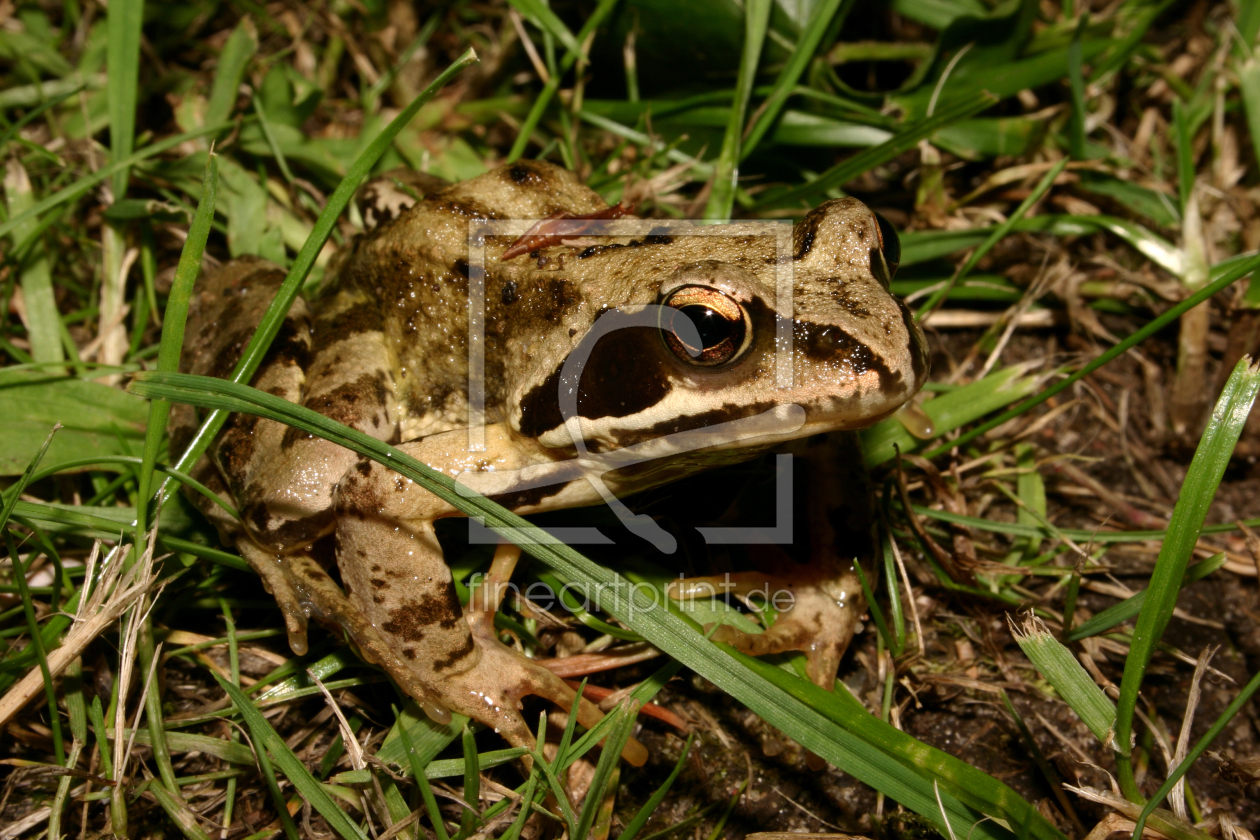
x=235 y=448
x=362 y=317
x=806 y=231
x=532 y=497
x=288 y=533
x=829 y=344
x=522 y=174
x=462 y=652
x=292 y=435
x=352 y=401
x=291 y=347
x=919 y=361
x=413 y=617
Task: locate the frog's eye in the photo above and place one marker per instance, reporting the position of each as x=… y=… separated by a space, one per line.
x=889 y=245
x=704 y=327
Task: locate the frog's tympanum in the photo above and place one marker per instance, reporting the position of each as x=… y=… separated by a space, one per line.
x=384 y=349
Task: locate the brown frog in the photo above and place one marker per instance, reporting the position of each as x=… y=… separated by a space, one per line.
x=628 y=347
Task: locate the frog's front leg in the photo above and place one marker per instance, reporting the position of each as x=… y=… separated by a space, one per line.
x=402 y=593
x=823 y=598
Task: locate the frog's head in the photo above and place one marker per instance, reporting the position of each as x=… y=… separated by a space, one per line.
x=715 y=348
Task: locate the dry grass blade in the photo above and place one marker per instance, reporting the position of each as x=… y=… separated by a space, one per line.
x=111 y=595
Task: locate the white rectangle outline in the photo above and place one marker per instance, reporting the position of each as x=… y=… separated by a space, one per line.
x=784 y=305
x=479 y=229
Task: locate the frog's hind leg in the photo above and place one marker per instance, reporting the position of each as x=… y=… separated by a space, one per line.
x=402 y=594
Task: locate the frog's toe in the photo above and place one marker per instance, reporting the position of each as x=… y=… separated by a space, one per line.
x=278 y=578
x=492 y=691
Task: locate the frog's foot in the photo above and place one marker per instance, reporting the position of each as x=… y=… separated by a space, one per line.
x=502 y=677
x=818 y=609
x=492 y=691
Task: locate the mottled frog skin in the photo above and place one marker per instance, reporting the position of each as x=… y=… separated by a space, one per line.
x=383 y=348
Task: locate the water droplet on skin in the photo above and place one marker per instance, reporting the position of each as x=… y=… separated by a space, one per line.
x=916 y=421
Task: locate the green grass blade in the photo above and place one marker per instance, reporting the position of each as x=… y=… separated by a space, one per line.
x=1155 y=205
x=1076 y=127
x=527 y=799
x=999 y=233
x=1138 y=26
x=1197 y=491
x=657 y=624
x=544 y=98
x=123 y=21
x=654 y=801
x=178 y=812
x=448 y=768
x=1069 y=678
x=87 y=182
x=272 y=143
x=726 y=173
x=37 y=643
x=549 y=23
x=426 y=791
x=277 y=796
x=548 y=771
x=173 y=332
x=919 y=768
x=609 y=759
x=233 y=62
x=43 y=319
x=876 y=613
x=266 y=738
x=896 y=612
x=155 y=433
x=470 y=818
x=1248 y=22
x=1183 y=142
x=1048 y=773
x=1249 y=86
x=920 y=246
x=11 y=498
x=864 y=161
x=821 y=19
x=950 y=411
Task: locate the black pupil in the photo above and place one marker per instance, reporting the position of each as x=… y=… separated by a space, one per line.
x=713 y=328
